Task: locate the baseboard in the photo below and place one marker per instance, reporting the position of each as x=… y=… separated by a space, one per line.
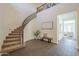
x=55 y=42
x=0 y=54
x=77 y=48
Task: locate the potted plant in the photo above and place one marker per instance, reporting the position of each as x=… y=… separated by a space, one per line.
x=37 y=34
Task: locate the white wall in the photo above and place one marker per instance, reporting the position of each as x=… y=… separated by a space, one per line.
x=30 y=28
x=77 y=30
x=1 y=27
x=51 y=14
x=12 y=16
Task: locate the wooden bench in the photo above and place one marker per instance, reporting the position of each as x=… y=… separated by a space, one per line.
x=46 y=38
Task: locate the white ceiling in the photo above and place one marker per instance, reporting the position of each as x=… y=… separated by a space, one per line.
x=25 y=8
x=37 y=4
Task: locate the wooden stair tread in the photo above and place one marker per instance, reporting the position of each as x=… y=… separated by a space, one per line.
x=6 y=46
x=13 y=37
x=9 y=40
x=15 y=31
x=10 y=43
x=12 y=48
x=15 y=34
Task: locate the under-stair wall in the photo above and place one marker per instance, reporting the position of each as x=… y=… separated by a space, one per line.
x=30 y=28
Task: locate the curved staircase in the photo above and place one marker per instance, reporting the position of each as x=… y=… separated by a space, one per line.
x=14 y=40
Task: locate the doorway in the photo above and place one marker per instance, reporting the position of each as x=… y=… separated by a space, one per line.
x=66 y=28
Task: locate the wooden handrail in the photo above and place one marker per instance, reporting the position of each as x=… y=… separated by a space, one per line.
x=41 y=5
x=45 y=6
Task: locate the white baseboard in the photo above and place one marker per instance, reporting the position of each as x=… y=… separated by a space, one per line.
x=55 y=42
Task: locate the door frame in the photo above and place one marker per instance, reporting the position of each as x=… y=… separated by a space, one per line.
x=75 y=26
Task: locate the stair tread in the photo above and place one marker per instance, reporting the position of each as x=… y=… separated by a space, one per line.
x=13 y=39
x=11 y=48
x=7 y=37
x=15 y=34
x=15 y=31
x=10 y=43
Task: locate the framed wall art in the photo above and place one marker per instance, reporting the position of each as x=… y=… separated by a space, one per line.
x=47 y=25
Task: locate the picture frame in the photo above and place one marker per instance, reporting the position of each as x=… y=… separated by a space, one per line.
x=47 y=25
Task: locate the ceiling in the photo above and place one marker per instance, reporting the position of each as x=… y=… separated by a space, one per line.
x=37 y=4
x=24 y=8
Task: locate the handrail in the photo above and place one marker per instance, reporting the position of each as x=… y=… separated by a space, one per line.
x=33 y=15
x=45 y=6
x=28 y=19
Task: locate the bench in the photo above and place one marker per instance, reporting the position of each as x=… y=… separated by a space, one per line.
x=46 y=38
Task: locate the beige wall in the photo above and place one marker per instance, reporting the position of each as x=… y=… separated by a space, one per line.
x=77 y=28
